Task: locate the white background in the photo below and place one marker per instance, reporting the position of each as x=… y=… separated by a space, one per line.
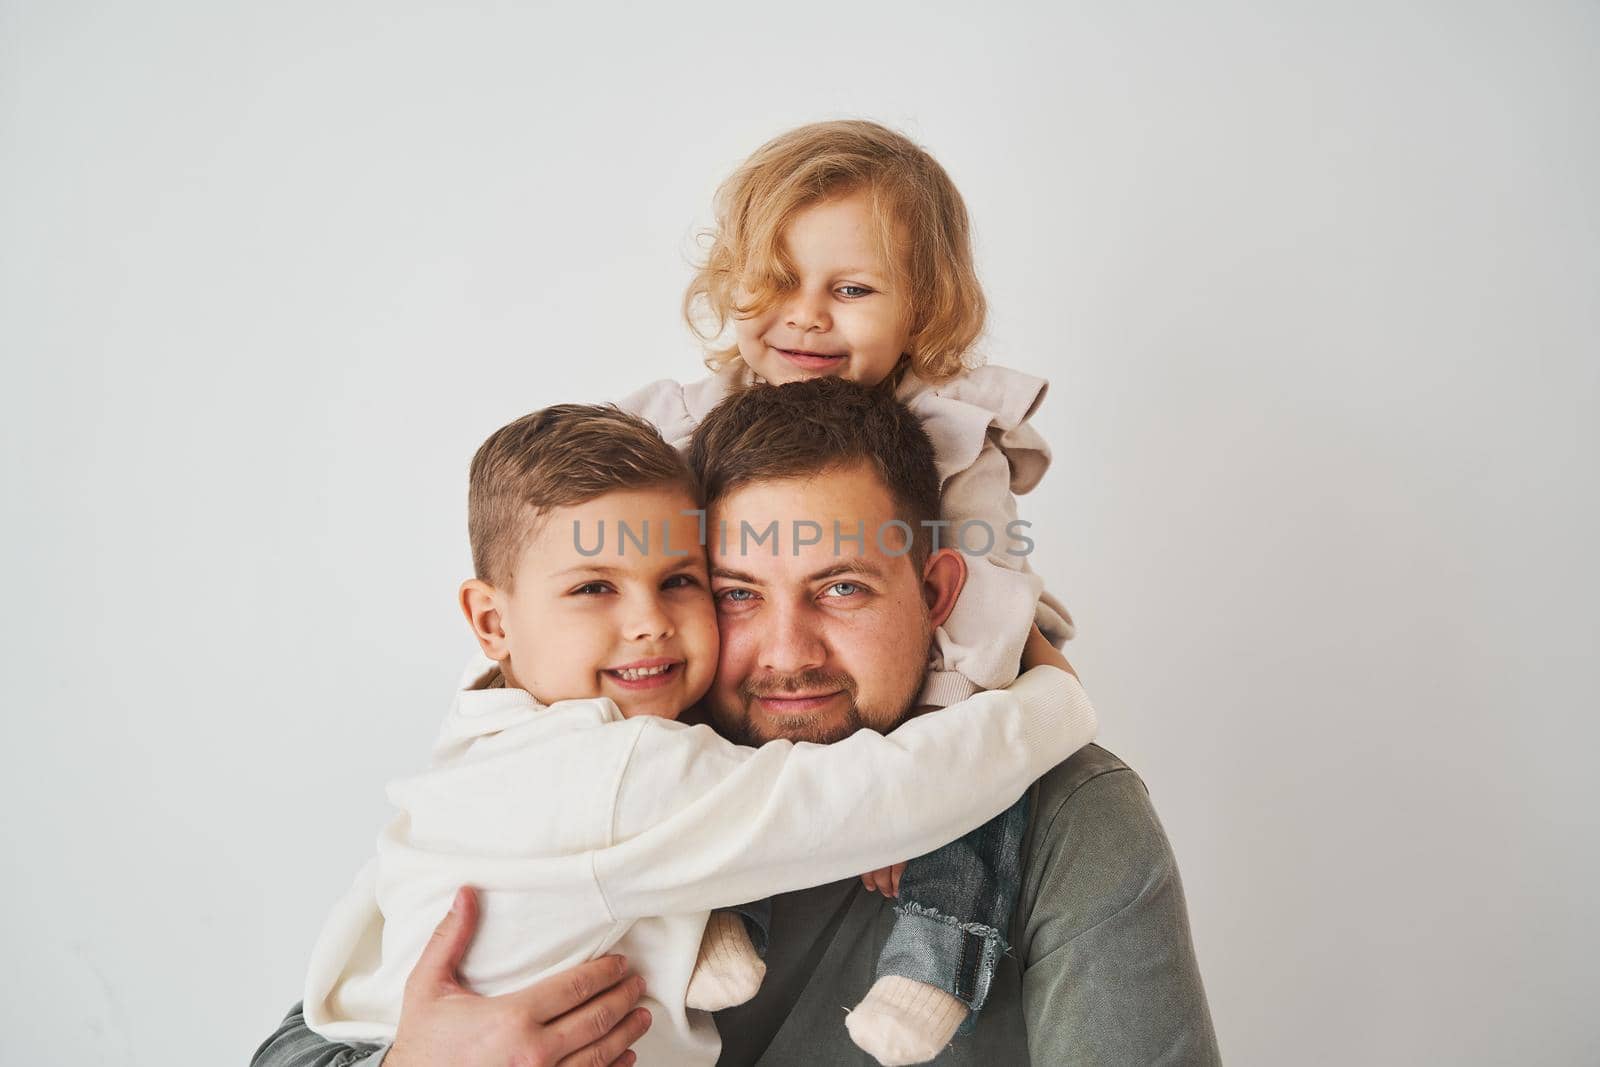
x=1315 y=285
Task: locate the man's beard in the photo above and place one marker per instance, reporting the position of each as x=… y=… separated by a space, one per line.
x=745 y=724
x=754 y=729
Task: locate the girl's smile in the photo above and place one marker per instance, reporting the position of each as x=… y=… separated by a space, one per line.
x=844 y=315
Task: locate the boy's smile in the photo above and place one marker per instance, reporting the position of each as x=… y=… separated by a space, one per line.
x=646 y=674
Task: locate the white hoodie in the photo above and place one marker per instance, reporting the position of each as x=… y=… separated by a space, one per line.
x=586 y=833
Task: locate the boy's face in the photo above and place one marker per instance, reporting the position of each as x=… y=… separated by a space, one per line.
x=845 y=317
x=638 y=627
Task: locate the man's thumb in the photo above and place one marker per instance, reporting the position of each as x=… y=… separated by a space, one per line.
x=437 y=966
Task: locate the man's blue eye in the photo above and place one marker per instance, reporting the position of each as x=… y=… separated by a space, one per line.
x=729 y=594
x=849 y=586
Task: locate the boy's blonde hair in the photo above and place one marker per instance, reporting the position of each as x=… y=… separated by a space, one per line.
x=557 y=457
x=819 y=162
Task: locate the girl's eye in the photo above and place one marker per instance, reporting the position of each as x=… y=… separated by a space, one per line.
x=680 y=581
x=850 y=588
x=591 y=589
x=853 y=291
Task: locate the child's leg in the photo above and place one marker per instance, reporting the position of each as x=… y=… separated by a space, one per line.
x=936 y=967
x=757 y=917
x=729 y=970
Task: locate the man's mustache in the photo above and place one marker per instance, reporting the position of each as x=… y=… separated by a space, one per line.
x=815 y=680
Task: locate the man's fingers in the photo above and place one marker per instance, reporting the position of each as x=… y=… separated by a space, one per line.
x=572 y=988
x=614 y=1048
x=601 y=1030
x=436 y=968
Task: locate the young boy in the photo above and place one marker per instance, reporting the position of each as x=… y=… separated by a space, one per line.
x=564 y=789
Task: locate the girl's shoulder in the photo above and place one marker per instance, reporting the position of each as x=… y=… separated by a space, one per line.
x=1010 y=397
x=985 y=405
x=676 y=408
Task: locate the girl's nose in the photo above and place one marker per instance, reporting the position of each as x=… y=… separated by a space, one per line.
x=806 y=312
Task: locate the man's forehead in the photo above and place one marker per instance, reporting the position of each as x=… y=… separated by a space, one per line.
x=838 y=521
x=855 y=486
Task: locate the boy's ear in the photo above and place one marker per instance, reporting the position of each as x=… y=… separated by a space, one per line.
x=942 y=578
x=481 y=605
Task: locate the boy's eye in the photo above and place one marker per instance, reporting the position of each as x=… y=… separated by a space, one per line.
x=680 y=581
x=592 y=589
x=853 y=291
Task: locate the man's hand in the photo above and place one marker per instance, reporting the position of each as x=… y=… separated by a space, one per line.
x=885 y=880
x=1039 y=652
x=583 y=1017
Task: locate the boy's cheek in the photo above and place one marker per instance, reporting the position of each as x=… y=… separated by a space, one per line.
x=708 y=637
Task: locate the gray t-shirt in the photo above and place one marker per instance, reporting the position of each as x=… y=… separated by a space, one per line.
x=1102 y=968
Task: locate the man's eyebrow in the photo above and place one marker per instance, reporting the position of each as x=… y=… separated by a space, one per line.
x=734 y=576
x=833 y=570
x=847 y=566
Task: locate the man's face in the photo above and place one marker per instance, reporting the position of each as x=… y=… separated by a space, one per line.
x=818 y=640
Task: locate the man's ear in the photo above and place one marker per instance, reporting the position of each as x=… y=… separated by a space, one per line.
x=480 y=603
x=942 y=578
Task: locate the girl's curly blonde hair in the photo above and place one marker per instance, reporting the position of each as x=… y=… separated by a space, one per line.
x=912 y=199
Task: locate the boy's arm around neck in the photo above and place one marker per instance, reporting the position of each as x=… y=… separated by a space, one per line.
x=702 y=823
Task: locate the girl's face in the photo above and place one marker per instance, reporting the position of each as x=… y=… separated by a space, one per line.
x=845 y=317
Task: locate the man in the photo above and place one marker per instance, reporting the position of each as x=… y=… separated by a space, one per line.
x=825 y=629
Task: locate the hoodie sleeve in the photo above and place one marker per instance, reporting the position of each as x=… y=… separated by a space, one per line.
x=703 y=823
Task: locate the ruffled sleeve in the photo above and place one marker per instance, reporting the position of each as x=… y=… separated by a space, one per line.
x=960 y=415
x=676 y=409
x=663 y=405
x=987 y=452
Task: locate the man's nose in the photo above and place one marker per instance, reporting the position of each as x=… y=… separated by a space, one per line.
x=807 y=311
x=792 y=641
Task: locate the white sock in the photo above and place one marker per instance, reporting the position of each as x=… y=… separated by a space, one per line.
x=728 y=971
x=904 y=1021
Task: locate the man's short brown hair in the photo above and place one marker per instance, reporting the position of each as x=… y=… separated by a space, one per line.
x=804 y=428
x=557 y=457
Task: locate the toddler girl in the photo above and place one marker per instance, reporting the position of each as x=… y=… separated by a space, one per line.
x=841 y=248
